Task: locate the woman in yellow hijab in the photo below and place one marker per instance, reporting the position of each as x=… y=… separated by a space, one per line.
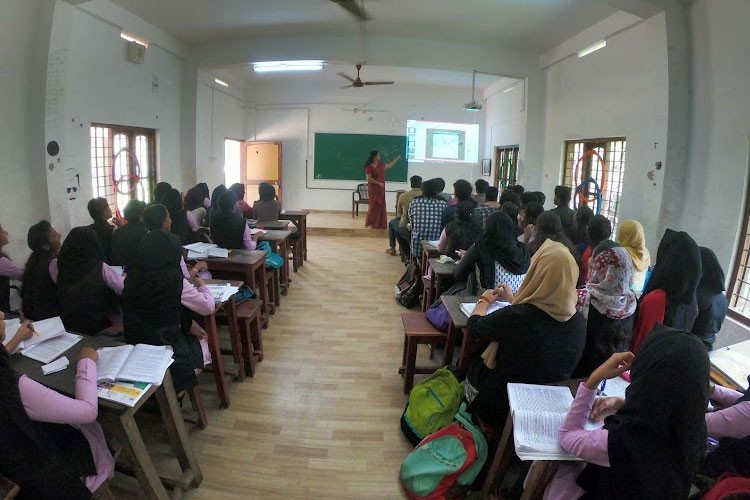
x=631 y=237
x=537 y=339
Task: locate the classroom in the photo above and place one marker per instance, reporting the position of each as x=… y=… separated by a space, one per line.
x=613 y=137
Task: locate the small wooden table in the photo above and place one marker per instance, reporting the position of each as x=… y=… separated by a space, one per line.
x=121 y=420
x=429 y=251
x=459 y=321
x=440 y=276
x=221 y=375
x=299 y=219
x=279 y=242
x=251 y=266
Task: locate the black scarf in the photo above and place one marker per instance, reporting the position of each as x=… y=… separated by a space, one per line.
x=80 y=254
x=125 y=243
x=677 y=271
x=39 y=292
x=657 y=439
x=499 y=242
x=46 y=460
x=713 y=275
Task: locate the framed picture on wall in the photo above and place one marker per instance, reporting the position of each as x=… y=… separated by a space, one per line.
x=486 y=166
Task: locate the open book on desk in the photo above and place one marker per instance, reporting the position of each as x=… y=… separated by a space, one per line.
x=126 y=393
x=538 y=412
x=733 y=362
x=198 y=251
x=468 y=307
x=222 y=293
x=50 y=350
x=43 y=330
x=138 y=363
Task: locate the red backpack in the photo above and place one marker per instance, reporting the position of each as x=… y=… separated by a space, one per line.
x=728 y=484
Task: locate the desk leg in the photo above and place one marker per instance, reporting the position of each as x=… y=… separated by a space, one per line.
x=178 y=436
x=450 y=341
x=217 y=361
x=261 y=270
x=234 y=336
x=503 y=454
x=303 y=227
x=137 y=455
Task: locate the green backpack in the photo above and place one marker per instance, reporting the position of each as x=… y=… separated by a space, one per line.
x=433 y=403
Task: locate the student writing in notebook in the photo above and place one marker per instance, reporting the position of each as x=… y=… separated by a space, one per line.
x=51 y=445
x=87 y=288
x=39 y=291
x=8 y=271
x=655 y=443
x=157 y=301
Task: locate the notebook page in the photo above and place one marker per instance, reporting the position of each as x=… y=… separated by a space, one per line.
x=218 y=252
x=537 y=431
x=199 y=247
x=45 y=330
x=11 y=327
x=145 y=364
x=111 y=360
x=539 y=398
x=52 y=349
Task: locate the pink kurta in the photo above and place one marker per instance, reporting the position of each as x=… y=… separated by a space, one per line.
x=8 y=268
x=377 y=215
x=45 y=405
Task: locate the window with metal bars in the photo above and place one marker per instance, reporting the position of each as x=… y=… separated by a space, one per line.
x=739 y=285
x=604 y=161
x=506 y=170
x=123 y=164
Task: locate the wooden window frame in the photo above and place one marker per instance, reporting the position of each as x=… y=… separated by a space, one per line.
x=502 y=153
x=741 y=260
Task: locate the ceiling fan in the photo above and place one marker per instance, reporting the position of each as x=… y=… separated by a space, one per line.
x=357 y=82
x=353 y=7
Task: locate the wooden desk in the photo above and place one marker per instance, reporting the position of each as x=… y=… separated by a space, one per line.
x=278 y=241
x=121 y=420
x=277 y=225
x=299 y=219
x=429 y=251
x=221 y=375
x=440 y=276
x=459 y=322
x=250 y=265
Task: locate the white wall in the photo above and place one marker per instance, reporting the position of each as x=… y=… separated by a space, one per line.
x=220 y=114
x=720 y=136
x=89 y=81
x=293 y=113
x=505 y=121
x=621 y=90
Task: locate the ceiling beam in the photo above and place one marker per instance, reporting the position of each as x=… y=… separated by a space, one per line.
x=76 y=2
x=641 y=8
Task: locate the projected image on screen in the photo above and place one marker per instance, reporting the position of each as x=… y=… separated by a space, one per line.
x=442 y=142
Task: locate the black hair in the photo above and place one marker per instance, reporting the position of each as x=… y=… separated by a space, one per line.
x=154 y=216
x=204 y=189
x=416 y=181
x=528 y=197
x=518 y=189
x=239 y=190
x=481 y=186
x=134 y=210
x=533 y=210
x=440 y=184
x=599 y=229
x=464 y=231
x=540 y=197
x=491 y=193
x=371 y=156
x=227 y=203
x=430 y=188
x=562 y=193
x=581 y=220
x=509 y=195
x=38 y=236
x=194 y=198
x=97 y=208
x=512 y=210
x=462 y=189
x=266 y=192
x=549 y=227
x=160 y=190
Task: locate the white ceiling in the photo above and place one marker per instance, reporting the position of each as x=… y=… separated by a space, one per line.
x=528 y=25
x=329 y=76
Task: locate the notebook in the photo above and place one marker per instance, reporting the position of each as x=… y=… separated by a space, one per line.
x=48 y=351
x=222 y=293
x=538 y=412
x=733 y=362
x=138 y=363
x=468 y=307
x=197 y=251
x=43 y=330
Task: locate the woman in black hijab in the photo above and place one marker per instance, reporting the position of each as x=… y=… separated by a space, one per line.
x=712 y=303
x=51 y=460
x=180 y=226
x=228 y=227
x=87 y=288
x=160 y=190
x=655 y=442
x=669 y=295
x=153 y=299
x=500 y=257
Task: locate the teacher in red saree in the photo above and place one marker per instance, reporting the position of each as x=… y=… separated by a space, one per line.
x=375 y=172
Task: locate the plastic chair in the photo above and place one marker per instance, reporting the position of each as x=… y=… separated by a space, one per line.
x=359 y=197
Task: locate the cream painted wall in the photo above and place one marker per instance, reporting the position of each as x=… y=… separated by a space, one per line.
x=90 y=81
x=505 y=121
x=621 y=90
x=720 y=135
x=293 y=113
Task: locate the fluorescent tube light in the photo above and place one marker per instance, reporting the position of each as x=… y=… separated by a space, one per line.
x=132 y=38
x=508 y=90
x=268 y=66
x=221 y=82
x=592 y=48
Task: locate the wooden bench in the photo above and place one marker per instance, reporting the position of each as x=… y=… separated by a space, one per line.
x=417 y=330
x=249 y=318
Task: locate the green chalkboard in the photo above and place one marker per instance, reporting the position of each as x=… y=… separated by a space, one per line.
x=343 y=156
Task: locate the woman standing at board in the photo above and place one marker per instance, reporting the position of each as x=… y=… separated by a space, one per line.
x=375 y=171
